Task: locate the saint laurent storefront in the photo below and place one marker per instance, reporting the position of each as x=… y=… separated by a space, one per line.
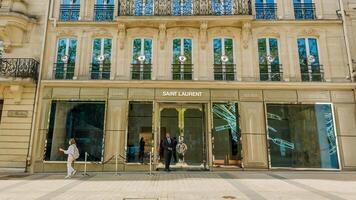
x=215 y=128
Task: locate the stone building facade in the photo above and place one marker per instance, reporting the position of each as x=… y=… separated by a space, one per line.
x=239 y=84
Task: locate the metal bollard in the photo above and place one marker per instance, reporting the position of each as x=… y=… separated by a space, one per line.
x=85 y=164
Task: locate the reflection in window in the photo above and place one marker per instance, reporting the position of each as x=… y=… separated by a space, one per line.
x=182 y=7
x=309 y=60
x=104 y=10
x=1 y=105
x=66 y=57
x=270 y=69
x=69 y=10
x=143 y=7
x=222 y=7
x=302 y=136
x=141 y=59
x=140 y=126
x=83 y=121
x=227 y=145
x=101 y=58
x=224 y=67
x=182 y=59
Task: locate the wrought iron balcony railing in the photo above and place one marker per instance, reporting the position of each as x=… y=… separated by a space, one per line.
x=224 y=72
x=100 y=71
x=19 y=68
x=312 y=73
x=64 y=71
x=266 y=11
x=304 y=11
x=141 y=71
x=104 y=12
x=272 y=72
x=184 y=7
x=69 y=12
x=182 y=71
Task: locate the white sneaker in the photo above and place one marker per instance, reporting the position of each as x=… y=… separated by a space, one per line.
x=67 y=177
x=74 y=172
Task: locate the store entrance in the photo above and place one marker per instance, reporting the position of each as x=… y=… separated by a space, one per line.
x=186 y=125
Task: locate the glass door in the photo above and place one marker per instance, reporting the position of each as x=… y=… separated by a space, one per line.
x=186 y=125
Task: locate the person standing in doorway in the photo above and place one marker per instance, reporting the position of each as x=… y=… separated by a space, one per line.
x=175 y=142
x=73 y=154
x=168 y=150
x=141 y=154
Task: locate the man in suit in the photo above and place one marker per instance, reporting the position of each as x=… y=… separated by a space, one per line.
x=168 y=146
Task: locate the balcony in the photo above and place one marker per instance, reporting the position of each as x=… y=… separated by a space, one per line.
x=104 y=12
x=224 y=72
x=100 y=71
x=69 y=12
x=182 y=71
x=266 y=11
x=141 y=71
x=184 y=7
x=271 y=72
x=63 y=71
x=312 y=73
x=304 y=11
x=19 y=68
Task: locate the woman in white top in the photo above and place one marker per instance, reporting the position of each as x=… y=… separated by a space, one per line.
x=71 y=157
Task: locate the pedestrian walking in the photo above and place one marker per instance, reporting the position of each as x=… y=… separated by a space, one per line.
x=73 y=154
x=168 y=150
x=141 y=154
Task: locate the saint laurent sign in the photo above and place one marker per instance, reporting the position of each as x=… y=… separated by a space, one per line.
x=181 y=94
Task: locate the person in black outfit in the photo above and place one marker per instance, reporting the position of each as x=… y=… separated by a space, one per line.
x=141 y=154
x=175 y=142
x=168 y=150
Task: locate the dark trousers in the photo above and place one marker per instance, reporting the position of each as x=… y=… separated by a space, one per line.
x=175 y=156
x=167 y=158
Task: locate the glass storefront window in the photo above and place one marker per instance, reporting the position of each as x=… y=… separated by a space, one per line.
x=83 y=121
x=302 y=136
x=140 y=126
x=226 y=132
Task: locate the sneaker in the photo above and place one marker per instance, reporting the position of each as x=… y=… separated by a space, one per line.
x=74 y=172
x=67 y=177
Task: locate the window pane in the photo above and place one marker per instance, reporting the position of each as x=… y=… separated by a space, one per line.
x=83 y=121
x=227 y=146
x=107 y=50
x=313 y=49
x=217 y=50
x=62 y=46
x=188 y=50
x=176 y=50
x=72 y=52
x=229 y=50
x=262 y=51
x=136 y=51
x=96 y=50
x=273 y=45
x=148 y=51
x=140 y=126
x=302 y=57
x=302 y=136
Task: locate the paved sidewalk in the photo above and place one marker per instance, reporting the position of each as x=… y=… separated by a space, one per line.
x=256 y=185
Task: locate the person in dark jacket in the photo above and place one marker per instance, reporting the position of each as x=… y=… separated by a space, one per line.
x=141 y=154
x=168 y=150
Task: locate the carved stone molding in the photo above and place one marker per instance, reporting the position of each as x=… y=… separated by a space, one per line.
x=15 y=91
x=203 y=34
x=309 y=32
x=162 y=36
x=246 y=34
x=122 y=35
x=267 y=32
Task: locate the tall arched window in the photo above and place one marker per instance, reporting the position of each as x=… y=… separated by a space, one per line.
x=69 y=10
x=309 y=60
x=268 y=54
x=182 y=7
x=182 y=66
x=143 y=7
x=141 y=59
x=66 y=57
x=101 y=58
x=224 y=67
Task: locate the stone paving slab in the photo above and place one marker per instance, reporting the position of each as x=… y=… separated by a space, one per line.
x=255 y=185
